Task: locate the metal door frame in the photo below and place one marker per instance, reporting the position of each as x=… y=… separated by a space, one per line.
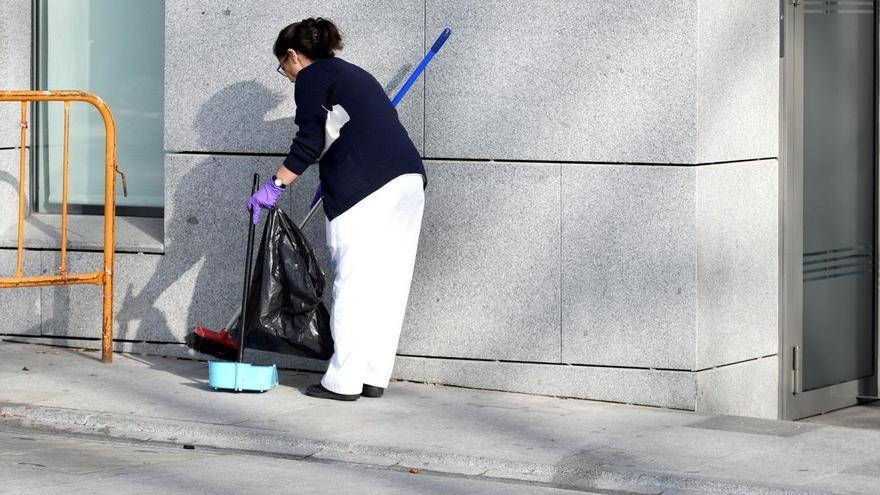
x=793 y=402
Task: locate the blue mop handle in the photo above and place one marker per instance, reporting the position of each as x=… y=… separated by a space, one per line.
x=399 y=96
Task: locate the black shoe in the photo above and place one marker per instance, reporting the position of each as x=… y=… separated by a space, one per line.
x=318 y=390
x=371 y=391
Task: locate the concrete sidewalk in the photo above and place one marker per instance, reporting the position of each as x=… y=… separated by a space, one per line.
x=572 y=444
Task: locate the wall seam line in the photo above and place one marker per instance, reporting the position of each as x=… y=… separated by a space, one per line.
x=696 y=255
x=561 y=219
x=546 y=363
x=697 y=156
x=726 y=365
x=497 y=161
x=425 y=80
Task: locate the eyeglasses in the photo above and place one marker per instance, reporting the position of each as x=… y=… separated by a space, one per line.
x=279 y=69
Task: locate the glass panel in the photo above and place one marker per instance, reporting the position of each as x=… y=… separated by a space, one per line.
x=838 y=192
x=115 y=49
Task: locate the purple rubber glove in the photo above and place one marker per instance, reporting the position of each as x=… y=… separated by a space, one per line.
x=265 y=197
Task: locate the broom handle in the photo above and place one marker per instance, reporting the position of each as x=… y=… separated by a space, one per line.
x=316 y=198
x=421 y=68
x=247 y=274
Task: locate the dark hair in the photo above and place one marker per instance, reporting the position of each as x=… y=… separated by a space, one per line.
x=313 y=37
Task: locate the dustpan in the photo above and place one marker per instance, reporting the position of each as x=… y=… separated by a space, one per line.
x=241 y=377
x=238 y=376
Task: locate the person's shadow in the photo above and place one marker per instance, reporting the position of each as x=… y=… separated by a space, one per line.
x=206 y=221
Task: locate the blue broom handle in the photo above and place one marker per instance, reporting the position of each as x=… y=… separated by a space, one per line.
x=316 y=198
x=421 y=68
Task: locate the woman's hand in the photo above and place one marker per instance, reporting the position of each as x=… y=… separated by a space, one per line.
x=265 y=197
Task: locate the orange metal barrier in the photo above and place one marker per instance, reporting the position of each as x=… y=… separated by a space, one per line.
x=105 y=276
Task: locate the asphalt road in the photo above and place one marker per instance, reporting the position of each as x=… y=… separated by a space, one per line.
x=38 y=463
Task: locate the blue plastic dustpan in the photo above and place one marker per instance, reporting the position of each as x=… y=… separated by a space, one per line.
x=239 y=376
x=229 y=375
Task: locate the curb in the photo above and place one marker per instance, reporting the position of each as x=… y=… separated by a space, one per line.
x=263 y=441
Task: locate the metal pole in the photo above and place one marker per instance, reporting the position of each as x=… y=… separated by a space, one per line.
x=315 y=206
x=109 y=228
x=19 y=264
x=64 y=177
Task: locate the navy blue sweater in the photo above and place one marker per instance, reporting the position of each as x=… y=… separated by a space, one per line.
x=372 y=148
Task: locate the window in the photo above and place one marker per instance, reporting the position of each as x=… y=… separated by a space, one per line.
x=114 y=49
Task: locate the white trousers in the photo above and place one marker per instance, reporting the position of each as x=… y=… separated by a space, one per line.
x=373 y=250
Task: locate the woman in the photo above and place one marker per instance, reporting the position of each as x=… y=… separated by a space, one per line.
x=373 y=180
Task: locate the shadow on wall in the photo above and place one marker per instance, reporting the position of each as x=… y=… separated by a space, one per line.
x=198 y=279
x=200 y=273
x=232 y=111
x=10 y=179
x=8 y=198
x=205 y=232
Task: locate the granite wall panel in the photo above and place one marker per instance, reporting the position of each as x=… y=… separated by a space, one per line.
x=221 y=89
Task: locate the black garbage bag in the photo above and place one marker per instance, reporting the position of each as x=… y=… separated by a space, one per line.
x=285 y=308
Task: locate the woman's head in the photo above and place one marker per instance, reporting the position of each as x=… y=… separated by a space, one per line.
x=301 y=43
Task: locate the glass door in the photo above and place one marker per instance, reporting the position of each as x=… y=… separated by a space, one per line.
x=833 y=353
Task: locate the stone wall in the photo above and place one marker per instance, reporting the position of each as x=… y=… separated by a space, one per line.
x=601 y=216
x=15 y=61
